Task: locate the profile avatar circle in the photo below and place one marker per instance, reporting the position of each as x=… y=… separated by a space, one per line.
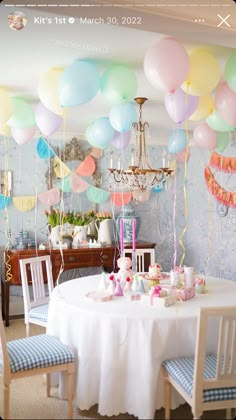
x=17 y=20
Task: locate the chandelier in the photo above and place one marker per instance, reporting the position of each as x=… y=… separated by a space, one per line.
x=140 y=176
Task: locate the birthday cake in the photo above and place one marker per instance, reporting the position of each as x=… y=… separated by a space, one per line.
x=154 y=271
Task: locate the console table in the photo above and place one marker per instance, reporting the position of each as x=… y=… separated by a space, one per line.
x=62 y=260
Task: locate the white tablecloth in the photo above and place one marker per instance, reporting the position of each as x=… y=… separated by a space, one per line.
x=121 y=344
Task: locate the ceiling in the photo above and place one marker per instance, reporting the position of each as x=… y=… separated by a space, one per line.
x=30 y=52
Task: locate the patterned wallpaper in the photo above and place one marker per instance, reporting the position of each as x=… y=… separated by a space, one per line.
x=209 y=243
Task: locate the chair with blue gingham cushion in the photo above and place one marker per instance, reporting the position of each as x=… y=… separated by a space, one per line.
x=34 y=355
x=206 y=381
x=35 y=270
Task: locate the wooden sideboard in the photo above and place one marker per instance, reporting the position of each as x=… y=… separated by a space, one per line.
x=66 y=259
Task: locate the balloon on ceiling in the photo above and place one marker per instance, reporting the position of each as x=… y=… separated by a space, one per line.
x=22 y=116
x=230 y=71
x=47 y=121
x=166 y=64
x=6 y=109
x=48 y=89
x=225 y=102
x=204 y=73
x=180 y=105
x=204 y=136
x=118 y=84
x=120 y=140
x=122 y=116
x=79 y=83
x=217 y=123
x=205 y=107
x=100 y=132
x=177 y=141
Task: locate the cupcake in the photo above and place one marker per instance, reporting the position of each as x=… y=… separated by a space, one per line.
x=154 y=271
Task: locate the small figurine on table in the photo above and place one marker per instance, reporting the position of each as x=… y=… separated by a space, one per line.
x=125 y=264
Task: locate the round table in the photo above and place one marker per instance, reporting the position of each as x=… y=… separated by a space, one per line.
x=121 y=344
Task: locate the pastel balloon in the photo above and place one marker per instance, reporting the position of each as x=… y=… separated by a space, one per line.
x=23 y=135
x=48 y=89
x=120 y=140
x=100 y=132
x=122 y=116
x=47 y=121
x=230 y=73
x=217 y=123
x=179 y=105
x=204 y=73
x=225 y=102
x=22 y=116
x=183 y=156
x=177 y=141
x=222 y=141
x=6 y=108
x=118 y=84
x=166 y=64
x=204 y=136
x=79 y=83
x=205 y=107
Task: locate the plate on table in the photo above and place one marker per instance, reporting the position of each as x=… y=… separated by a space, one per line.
x=99 y=296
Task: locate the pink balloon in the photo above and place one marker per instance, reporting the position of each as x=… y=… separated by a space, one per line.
x=225 y=102
x=166 y=64
x=204 y=136
x=120 y=140
x=47 y=121
x=23 y=135
x=180 y=105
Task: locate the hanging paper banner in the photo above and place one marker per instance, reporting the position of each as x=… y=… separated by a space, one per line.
x=121 y=198
x=50 y=197
x=5 y=200
x=44 y=150
x=61 y=170
x=223 y=163
x=226 y=197
x=24 y=204
x=87 y=167
x=64 y=184
x=77 y=183
x=97 y=195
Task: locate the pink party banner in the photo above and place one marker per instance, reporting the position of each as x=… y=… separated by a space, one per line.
x=77 y=183
x=87 y=167
x=121 y=198
x=50 y=197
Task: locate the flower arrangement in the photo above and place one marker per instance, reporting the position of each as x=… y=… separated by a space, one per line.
x=72 y=217
x=53 y=217
x=102 y=215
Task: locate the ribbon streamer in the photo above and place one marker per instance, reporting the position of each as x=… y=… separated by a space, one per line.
x=185 y=203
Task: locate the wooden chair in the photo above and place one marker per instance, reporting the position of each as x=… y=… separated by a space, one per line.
x=144 y=257
x=36 y=307
x=34 y=355
x=206 y=381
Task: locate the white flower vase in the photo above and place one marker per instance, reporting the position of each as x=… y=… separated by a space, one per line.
x=80 y=235
x=104 y=229
x=54 y=234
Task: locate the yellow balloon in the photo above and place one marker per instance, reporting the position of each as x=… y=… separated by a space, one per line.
x=205 y=107
x=48 y=89
x=204 y=73
x=6 y=107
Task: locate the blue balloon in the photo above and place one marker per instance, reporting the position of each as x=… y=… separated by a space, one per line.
x=100 y=132
x=79 y=83
x=177 y=141
x=122 y=117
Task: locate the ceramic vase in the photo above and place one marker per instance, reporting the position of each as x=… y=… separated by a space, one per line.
x=79 y=235
x=128 y=214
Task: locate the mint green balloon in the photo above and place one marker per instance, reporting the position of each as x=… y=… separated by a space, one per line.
x=217 y=123
x=22 y=116
x=230 y=71
x=222 y=141
x=118 y=84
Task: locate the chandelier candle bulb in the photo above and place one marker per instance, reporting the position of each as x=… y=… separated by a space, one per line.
x=118 y=164
x=111 y=160
x=164 y=159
